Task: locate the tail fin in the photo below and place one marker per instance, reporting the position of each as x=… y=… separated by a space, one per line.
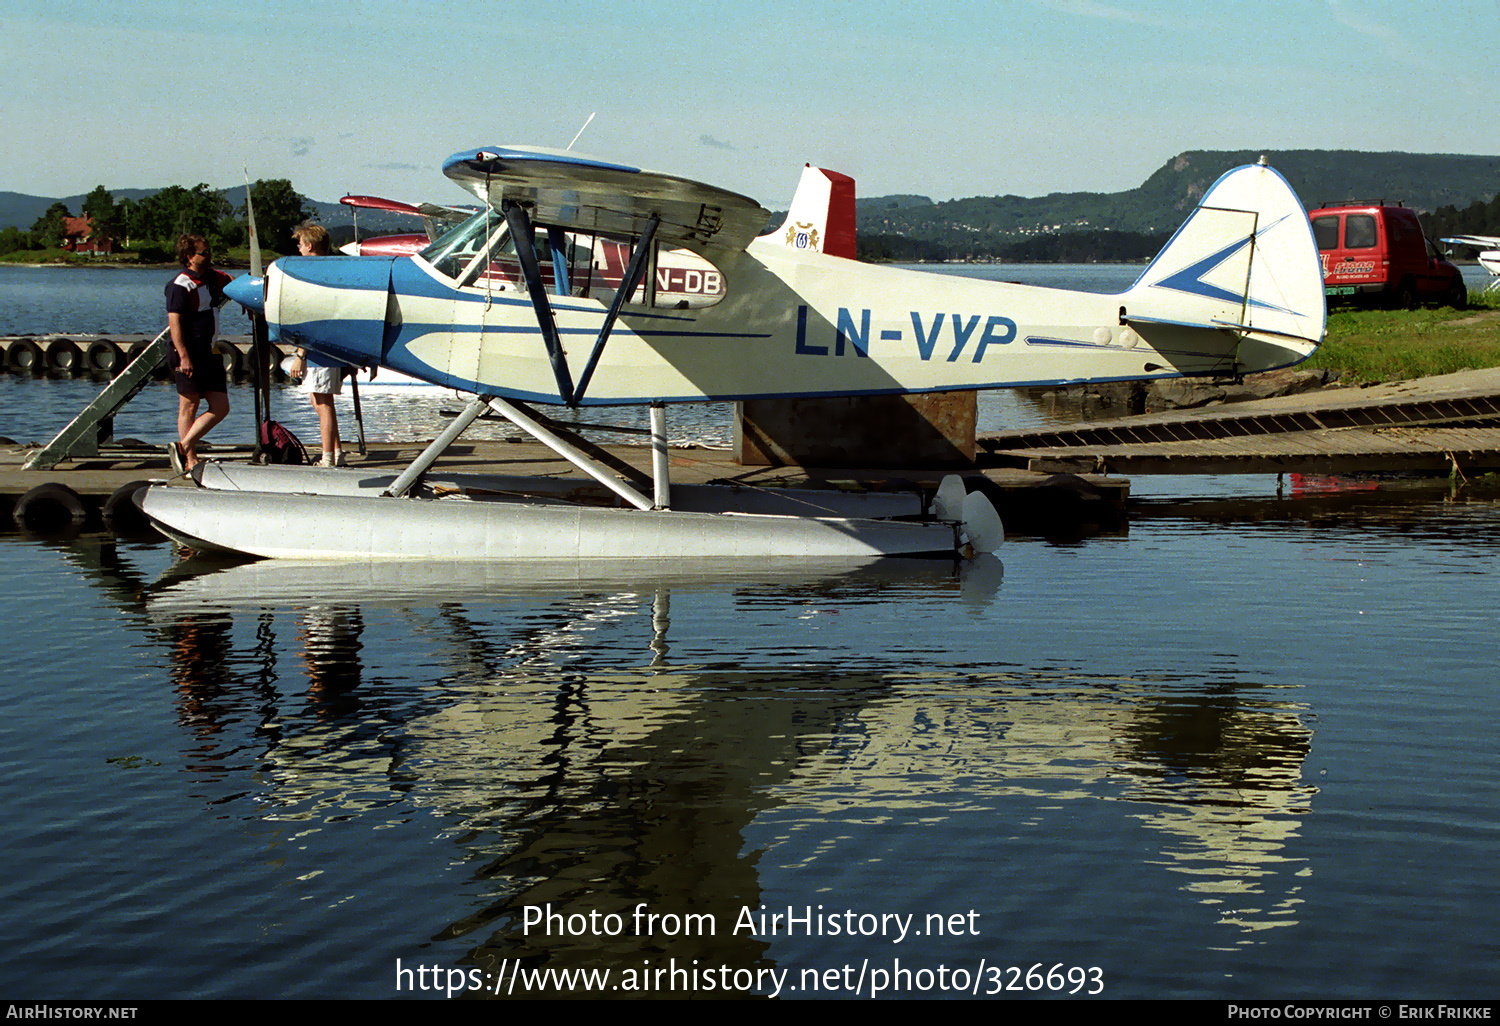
x=822 y=215
x=1244 y=260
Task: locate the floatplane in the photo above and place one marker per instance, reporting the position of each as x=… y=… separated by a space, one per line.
x=435 y=218
x=513 y=306
x=1487 y=245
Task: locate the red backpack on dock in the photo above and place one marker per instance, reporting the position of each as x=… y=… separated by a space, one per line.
x=281 y=446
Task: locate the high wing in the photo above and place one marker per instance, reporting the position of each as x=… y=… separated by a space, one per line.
x=379 y=203
x=1477 y=241
x=1487 y=245
x=574 y=192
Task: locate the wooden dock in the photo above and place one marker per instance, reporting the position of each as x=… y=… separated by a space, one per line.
x=96 y=479
x=1434 y=426
x=1429 y=425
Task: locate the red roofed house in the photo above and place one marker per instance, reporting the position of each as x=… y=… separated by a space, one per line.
x=78 y=236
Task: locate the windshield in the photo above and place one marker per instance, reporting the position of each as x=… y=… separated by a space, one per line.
x=480 y=253
x=458 y=245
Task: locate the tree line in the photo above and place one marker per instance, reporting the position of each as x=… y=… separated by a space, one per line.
x=149 y=227
x=1081 y=247
x=1478 y=218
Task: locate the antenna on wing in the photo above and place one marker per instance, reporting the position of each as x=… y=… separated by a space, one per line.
x=580 y=131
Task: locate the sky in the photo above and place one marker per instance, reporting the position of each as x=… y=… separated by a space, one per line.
x=945 y=100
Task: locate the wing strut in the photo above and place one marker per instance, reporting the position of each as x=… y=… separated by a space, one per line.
x=520 y=232
x=558 y=241
x=633 y=275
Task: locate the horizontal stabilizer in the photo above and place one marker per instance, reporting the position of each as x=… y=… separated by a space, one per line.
x=1235 y=326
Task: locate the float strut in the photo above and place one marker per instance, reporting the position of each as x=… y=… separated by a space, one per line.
x=661 y=470
x=569 y=452
x=419 y=466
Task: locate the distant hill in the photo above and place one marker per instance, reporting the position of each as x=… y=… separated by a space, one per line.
x=912 y=226
x=988 y=224
x=900 y=201
x=21 y=211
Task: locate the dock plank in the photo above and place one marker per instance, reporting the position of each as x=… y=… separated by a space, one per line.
x=1429 y=425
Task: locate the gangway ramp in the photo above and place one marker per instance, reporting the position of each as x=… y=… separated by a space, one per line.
x=1426 y=425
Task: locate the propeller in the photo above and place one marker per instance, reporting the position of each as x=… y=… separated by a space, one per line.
x=255 y=263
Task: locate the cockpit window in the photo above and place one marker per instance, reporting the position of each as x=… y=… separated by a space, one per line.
x=678 y=279
x=452 y=250
x=480 y=253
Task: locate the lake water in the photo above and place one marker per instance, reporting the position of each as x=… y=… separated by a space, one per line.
x=1244 y=748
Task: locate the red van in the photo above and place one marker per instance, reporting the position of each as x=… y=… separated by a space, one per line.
x=1379 y=254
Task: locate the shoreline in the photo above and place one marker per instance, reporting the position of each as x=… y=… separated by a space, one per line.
x=233 y=265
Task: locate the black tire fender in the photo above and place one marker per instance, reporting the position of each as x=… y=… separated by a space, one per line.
x=104 y=359
x=64 y=358
x=122 y=513
x=275 y=356
x=25 y=357
x=50 y=507
x=234 y=360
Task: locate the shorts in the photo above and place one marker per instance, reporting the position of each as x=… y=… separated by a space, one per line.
x=323 y=380
x=208 y=373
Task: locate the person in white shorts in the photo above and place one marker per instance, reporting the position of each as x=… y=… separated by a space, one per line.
x=322 y=379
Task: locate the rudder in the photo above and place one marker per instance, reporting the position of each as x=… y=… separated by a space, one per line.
x=821 y=218
x=1245 y=260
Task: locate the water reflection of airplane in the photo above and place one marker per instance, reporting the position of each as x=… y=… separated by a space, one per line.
x=211 y=584
x=582 y=784
x=1237 y=289
x=594 y=783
